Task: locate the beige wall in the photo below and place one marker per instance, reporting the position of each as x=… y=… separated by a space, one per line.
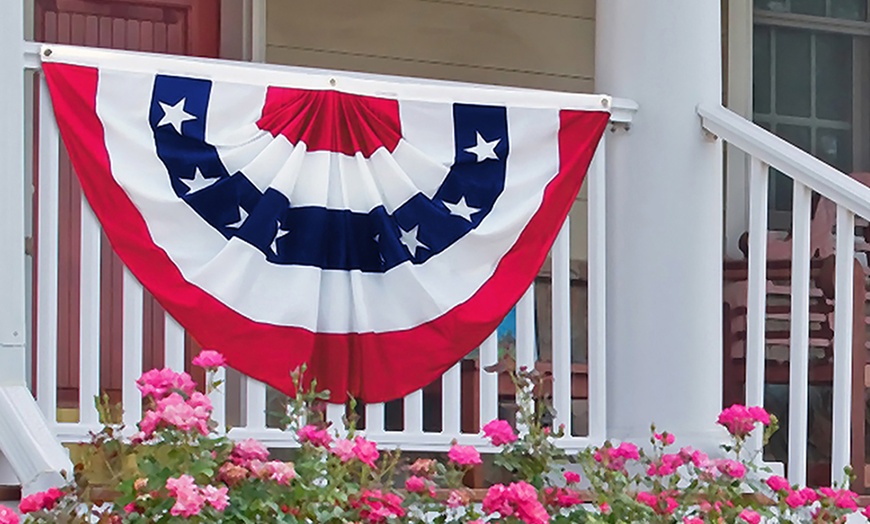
x=529 y=43
x=546 y=44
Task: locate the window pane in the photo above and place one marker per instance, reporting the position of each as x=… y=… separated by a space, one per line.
x=834 y=77
x=780 y=6
x=849 y=9
x=796 y=135
x=792 y=52
x=808 y=7
x=761 y=70
x=834 y=146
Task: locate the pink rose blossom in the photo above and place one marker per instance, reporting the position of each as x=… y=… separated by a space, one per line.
x=777 y=483
x=456 y=499
x=7 y=516
x=317 y=437
x=415 y=484
x=366 y=451
x=280 y=472
x=218 y=498
x=188 y=498
x=750 y=516
x=519 y=500
x=247 y=450
x=209 y=359
x=692 y=520
x=343 y=449
x=571 y=477
x=740 y=420
x=732 y=468
x=464 y=455
x=45 y=500
x=499 y=432
x=665 y=438
x=157 y=383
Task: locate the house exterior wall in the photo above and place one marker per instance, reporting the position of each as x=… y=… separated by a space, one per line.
x=547 y=44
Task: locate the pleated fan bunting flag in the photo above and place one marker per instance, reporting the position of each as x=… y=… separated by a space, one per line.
x=376 y=229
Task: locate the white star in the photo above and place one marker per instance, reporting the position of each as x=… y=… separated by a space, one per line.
x=175 y=115
x=198 y=182
x=484 y=149
x=243 y=215
x=461 y=209
x=409 y=238
x=278 y=234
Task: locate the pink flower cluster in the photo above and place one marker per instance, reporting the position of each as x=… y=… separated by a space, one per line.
x=7 y=516
x=190 y=499
x=280 y=472
x=616 y=458
x=663 y=504
x=376 y=507
x=209 y=359
x=518 y=500
x=464 y=455
x=249 y=450
x=314 y=436
x=174 y=410
x=45 y=500
x=740 y=420
x=364 y=450
x=499 y=432
x=416 y=484
x=157 y=383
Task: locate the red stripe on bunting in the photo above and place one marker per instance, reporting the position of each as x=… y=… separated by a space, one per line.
x=331 y=120
x=372 y=367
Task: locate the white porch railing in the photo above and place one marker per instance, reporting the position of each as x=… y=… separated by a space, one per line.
x=248 y=402
x=851 y=198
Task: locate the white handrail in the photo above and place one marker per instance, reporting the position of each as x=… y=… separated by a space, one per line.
x=779 y=154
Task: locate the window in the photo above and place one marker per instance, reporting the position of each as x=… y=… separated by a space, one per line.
x=809 y=83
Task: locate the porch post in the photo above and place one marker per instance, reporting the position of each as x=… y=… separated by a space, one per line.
x=28 y=448
x=664 y=219
x=12 y=309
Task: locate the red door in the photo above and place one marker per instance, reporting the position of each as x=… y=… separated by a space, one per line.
x=180 y=27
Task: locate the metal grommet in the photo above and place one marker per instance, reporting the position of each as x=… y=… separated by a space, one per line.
x=332 y=82
x=47 y=52
x=604 y=102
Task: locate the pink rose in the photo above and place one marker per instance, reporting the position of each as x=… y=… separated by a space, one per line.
x=218 y=498
x=157 y=383
x=7 y=516
x=317 y=437
x=366 y=451
x=750 y=516
x=572 y=477
x=665 y=438
x=464 y=455
x=499 y=432
x=209 y=359
x=732 y=468
x=777 y=483
x=343 y=449
x=415 y=484
x=45 y=500
x=188 y=498
x=247 y=450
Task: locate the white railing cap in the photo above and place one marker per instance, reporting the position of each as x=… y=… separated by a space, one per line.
x=791 y=160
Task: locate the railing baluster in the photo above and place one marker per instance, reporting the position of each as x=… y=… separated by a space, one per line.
x=451 y=400
x=488 y=381
x=561 y=291
x=756 y=305
x=414 y=412
x=173 y=344
x=218 y=399
x=597 y=293
x=374 y=418
x=131 y=359
x=89 y=339
x=798 y=385
x=335 y=416
x=843 y=300
x=255 y=411
x=47 y=257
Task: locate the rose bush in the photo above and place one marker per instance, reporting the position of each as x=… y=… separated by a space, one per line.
x=178 y=468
